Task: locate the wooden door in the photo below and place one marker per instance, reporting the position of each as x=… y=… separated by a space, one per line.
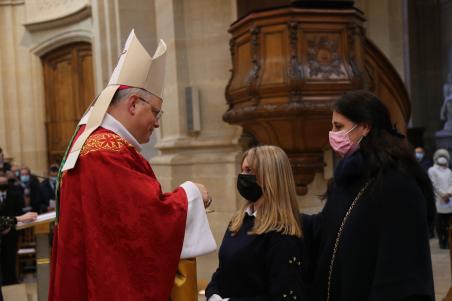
x=69 y=89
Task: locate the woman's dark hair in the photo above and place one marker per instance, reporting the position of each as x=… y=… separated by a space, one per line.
x=383 y=148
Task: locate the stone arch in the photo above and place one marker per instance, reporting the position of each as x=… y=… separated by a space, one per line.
x=60 y=39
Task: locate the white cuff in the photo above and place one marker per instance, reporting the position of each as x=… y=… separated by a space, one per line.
x=198 y=239
x=215 y=297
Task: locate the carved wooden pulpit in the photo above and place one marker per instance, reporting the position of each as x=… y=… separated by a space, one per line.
x=290 y=63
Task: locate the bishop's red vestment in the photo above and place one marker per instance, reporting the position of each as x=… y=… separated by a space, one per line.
x=119 y=238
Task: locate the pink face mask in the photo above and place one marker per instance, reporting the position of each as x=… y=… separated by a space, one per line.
x=340 y=142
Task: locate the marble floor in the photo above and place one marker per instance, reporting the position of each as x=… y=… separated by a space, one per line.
x=440 y=259
x=441 y=270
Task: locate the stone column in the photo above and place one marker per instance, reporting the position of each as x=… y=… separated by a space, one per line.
x=446 y=36
x=106 y=40
x=198 y=56
x=423 y=50
x=384 y=26
x=22 y=133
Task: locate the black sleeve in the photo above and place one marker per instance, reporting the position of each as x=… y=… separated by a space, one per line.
x=284 y=268
x=310 y=247
x=425 y=184
x=212 y=287
x=403 y=268
x=35 y=195
x=45 y=195
x=19 y=203
x=256 y=298
x=7 y=222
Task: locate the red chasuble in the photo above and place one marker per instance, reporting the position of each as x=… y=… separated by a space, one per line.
x=118 y=237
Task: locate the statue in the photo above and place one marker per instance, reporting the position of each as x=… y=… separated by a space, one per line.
x=446 y=109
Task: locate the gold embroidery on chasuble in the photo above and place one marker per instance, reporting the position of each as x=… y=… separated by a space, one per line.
x=104 y=142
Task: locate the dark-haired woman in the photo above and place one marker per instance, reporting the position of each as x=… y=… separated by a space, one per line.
x=370 y=241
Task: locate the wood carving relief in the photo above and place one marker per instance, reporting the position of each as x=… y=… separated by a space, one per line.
x=324 y=61
x=295 y=69
x=254 y=61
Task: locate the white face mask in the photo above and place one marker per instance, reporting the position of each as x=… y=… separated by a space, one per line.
x=442 y=161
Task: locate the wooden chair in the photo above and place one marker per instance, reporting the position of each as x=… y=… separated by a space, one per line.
x=26 y=253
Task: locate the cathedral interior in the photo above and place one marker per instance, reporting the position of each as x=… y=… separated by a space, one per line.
x=239 y=73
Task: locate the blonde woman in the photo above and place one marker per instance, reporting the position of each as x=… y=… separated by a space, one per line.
x=259 y=258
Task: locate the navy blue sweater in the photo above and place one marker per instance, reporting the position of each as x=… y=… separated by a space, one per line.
x=258 y=267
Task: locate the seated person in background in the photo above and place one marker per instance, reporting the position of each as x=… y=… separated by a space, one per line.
x=422 y=158
x=32 y=191
x=15 y=170
x=426 y=163
x=48 y=189
x=259 y=258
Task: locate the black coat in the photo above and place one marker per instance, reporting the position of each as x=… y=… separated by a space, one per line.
x=426 y=163
x=261 y=267
x=34 y=190
x=47 y=194
x=383 y=253
x=5 y=167
x=13 y=204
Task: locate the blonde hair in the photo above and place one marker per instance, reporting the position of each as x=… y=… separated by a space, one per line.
x=279 y=209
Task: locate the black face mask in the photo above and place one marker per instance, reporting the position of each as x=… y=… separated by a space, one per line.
x=248 y=187
x=3 y=187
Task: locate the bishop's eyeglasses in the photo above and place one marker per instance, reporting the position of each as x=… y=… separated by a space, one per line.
x=157 y=113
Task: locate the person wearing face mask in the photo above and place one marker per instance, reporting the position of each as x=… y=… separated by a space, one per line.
x=11 y=204
x=370 y=241
x=441 y=177
x=422 y=158
x=31 y=189
x=48 y=189
x=260 y=256
x=425 y=162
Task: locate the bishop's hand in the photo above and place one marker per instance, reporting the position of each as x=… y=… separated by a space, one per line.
x=206 y=198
